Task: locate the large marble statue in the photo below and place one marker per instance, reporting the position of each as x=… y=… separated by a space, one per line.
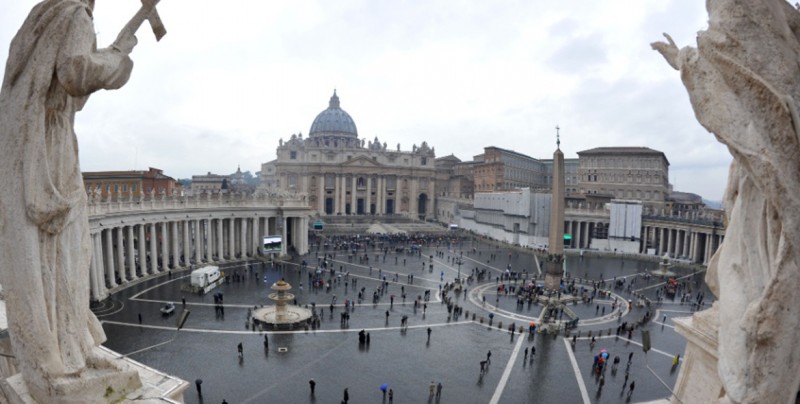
x=743 y=81
x=53 y=67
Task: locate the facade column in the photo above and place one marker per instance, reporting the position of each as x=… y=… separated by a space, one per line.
x=165 y=250
x=379 y=196
x=693 y=247
x=707 y=250
x=153 y=249
x=176 y=259
x=321 y=194
x=368 y=199
x=413 y=202
x=108 y=255
x=129 y=253
x=343 y=196
x=120 y=265
x=353 y=201
x=219 y=239
x=336 y=189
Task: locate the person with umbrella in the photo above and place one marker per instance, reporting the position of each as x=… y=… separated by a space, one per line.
x=384 y=388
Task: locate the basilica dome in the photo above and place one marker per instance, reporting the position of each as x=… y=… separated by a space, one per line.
x=333 y=121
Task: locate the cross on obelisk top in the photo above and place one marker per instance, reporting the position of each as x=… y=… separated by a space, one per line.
x=558 y=138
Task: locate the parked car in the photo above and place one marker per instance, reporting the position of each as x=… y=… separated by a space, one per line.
x=168 y=309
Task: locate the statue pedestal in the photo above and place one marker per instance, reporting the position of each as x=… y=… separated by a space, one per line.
x=152 y=384
x=698 y=380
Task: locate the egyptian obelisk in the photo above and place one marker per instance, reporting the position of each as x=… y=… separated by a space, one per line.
x=555 y=248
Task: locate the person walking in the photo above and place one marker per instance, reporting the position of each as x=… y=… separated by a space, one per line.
x=431 y=389
x=489 y=358
x=439 y=390
x=633 y=384
x=601 y=384
x=240 y=348
x=312 y=384
x=429 y=334
x=391 y=395
x=526 y=354
x=346 y=396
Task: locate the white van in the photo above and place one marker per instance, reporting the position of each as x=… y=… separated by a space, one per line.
x=205 y=276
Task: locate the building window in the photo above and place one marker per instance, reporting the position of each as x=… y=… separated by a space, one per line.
x=292 y=155
x=329 y=181
x=124 y=187
x=424 y=161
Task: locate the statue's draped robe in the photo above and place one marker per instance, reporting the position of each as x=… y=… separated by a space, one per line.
x=744 y=84
x=53 y=67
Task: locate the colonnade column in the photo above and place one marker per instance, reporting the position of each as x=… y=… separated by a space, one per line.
x=165 y=250
x=141 y=244
x=153 y=249
x=254 y=244
x=243 y=239
x=209 y=242
x=174 y=239
x=198 y=244
x=120 y=265
x=108 y=254
x=644 y=240
x=94 y=285
x=220 y=237
x=98 y=258
x=129 y=254
x=231 y=238
x=187 y=251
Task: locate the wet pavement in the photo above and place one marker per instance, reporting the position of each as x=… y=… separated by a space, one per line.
x=401 y=357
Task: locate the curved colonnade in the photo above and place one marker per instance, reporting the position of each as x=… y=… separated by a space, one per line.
x=137 y=239
x=686 y=237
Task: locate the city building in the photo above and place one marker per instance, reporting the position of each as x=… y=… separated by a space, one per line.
x=504 y=170
x=638 y=173
x=345 y=175
x=209 y=183
x=130 y=184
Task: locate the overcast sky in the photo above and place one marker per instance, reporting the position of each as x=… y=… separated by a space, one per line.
x=232 y=77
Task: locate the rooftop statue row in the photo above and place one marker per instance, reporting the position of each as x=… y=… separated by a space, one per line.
x=297 y=141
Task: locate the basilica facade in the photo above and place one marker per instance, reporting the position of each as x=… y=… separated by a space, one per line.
x=345 y=175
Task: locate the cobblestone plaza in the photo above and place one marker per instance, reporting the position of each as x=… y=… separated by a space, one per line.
x=404 y=357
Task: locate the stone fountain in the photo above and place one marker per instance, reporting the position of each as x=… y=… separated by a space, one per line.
x=281 y=315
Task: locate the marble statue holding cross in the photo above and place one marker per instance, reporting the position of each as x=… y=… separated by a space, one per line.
x=743 y=81
x=53 y=67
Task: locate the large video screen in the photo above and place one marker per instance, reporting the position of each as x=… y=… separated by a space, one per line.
x=272 y=244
